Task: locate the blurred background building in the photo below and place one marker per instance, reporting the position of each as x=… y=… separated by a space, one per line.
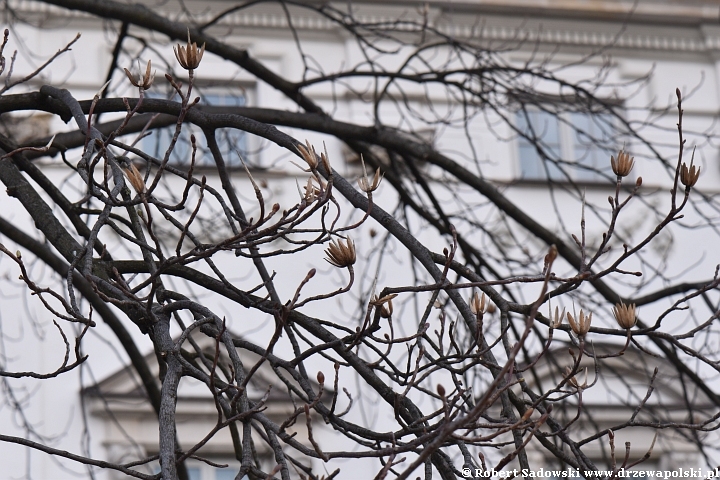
x=633 y=54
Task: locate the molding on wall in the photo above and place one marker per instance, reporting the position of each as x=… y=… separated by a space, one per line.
x=560 y=30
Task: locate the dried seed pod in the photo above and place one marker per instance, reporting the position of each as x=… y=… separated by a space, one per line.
x=557 y=319
x=366 y=185
x=582 y=326
x=385 y=304
x=572 y=380
x=189 y=56
x=146 y=81
x=477 y=304
x=341 y=255
x=689 y=176
x=133 y=174
x=308 y=154
x=623 y=164
x=625 y=315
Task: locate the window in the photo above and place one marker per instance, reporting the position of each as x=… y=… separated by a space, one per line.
x=202 y=471
x=233 y=143
x=578 y=145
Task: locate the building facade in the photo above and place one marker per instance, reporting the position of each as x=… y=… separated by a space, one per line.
x=544 y=150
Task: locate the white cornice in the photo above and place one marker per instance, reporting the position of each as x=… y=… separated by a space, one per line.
x=558 y=32
x=667 y=12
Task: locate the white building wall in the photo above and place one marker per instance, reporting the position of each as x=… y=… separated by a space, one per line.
x=686 y=57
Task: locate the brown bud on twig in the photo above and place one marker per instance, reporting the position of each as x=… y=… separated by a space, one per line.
x=625 y=315
x=321 y=378
x=571 y=352
x=441 y=390
x=341 y=255
x=552 y=254
x=623 y=164
x=550 y=257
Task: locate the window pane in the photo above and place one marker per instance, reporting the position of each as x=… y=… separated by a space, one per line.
x=226 y=474
x=232 y=143
x=583 y=142
x=544 y=127
x=194 y=473
x=591 y=135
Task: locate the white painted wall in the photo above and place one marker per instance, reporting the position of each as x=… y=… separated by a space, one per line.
x=685 y=56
